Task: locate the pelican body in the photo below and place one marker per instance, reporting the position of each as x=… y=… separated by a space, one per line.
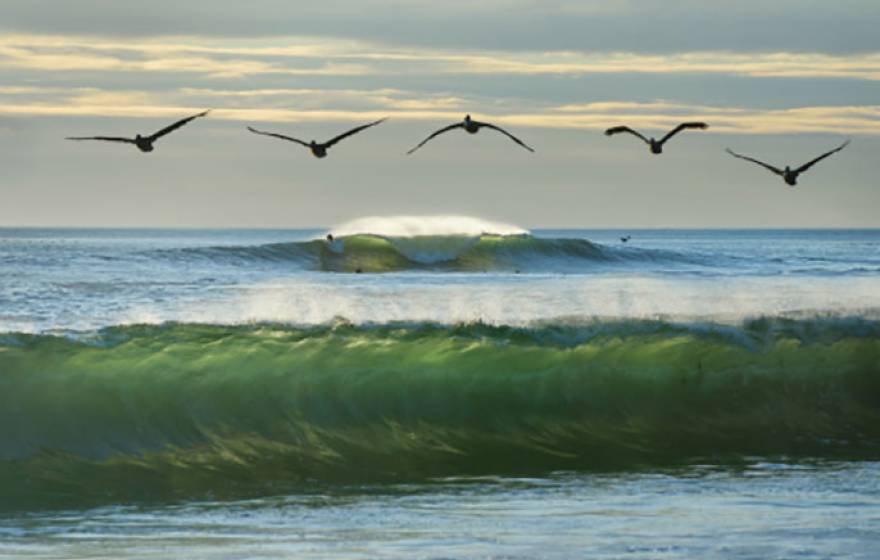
x=789 y=175
x=318 y=149
x=472 y=127
x=654 y=145
x=143 y=143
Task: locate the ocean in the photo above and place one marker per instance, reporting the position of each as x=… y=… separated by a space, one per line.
x=439 y=387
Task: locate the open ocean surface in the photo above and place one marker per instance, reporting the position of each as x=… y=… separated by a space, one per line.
x=478 y=391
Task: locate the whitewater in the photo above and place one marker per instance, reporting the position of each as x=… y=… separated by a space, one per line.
x=470 y=379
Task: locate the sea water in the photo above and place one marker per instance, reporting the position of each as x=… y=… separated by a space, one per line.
x=439 y=388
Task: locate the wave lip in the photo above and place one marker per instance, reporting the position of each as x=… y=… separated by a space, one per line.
x=184 y=410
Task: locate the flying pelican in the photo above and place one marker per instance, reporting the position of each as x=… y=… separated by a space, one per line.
x=625 y=238
x=473 y=127
x=144 y=143
x=657 y=145
x=319 y=149
x=788 y=174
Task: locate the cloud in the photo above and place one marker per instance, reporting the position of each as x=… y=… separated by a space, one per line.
x=352 y=105
x=512 y=25
x=326 y=57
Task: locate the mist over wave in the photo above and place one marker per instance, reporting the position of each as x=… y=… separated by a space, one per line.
x=425 y=226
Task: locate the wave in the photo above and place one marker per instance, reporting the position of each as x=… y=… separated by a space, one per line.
x=461 y=253
x=193 y=411
x=441 y=243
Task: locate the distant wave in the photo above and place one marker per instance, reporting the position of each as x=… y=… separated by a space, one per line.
x=375 y=253
x=441 y=243
x=184 y=410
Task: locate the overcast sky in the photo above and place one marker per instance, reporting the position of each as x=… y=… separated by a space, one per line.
x=783 y=81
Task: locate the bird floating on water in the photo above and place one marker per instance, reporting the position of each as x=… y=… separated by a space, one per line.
x=472 y=127
x=144 y=143
x=656 y=145
x=319 y=149
x=789 y=175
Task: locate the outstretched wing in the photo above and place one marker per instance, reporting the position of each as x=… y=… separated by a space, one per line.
x=618 y=129
x=283 y=137
x=105 y=138
x=761 y=163
x=170 y=128
x=810 y=164
x=502 y=131
x=682 y=126
x=352 y=131
x=437 y=133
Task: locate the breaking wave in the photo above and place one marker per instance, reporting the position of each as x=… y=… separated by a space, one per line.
x=188 y=411
x=375 y=253
x=435 y=243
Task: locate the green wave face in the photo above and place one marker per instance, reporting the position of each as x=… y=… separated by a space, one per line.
x=373 y=253
x=181 y=410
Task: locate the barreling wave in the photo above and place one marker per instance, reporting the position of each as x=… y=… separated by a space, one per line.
x=463 y=253
x=194 y=411
x=441 y=243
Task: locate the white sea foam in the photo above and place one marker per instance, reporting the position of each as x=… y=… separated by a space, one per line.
x=524 y=301
x=421 y=226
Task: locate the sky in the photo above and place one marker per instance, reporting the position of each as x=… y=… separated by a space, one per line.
x=783 y=81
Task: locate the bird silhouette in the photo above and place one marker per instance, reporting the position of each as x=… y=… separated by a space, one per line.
x=625 y=238
x=144 y=143
x=789 y=175
x=656 y=145
x=472 y=127
x=319 y=149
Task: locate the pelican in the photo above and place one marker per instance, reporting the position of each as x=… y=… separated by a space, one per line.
x=657 y=145
x=319 y=149
x=144 y=143
x=625 y=238
x=788 y=174
x=472 y=127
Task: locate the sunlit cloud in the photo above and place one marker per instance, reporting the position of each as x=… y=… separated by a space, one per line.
x=353 y=105
x=236 y=58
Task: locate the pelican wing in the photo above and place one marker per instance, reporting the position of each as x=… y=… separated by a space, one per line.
x=281 y=136
x=682 y=126
x=509 y=135
x=352 y=131
x=761 y=163
x=437 y=133
x=175 y=126
x=810 y=164
x=105 y=138
x=618 y=129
